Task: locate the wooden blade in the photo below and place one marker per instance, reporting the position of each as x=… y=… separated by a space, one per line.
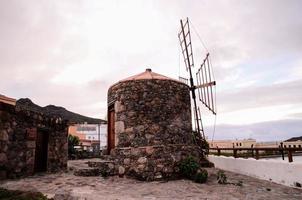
x=206 y=85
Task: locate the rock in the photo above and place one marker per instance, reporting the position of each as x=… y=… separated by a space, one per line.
x=142 y=160
x=135 y=151
x=149 y=136
x=159 y=167
x=3 y=135
x=141 y=167
x=131 y=114
x=149 y=150
x=139 y=128
x=118 y=107
x=121 y=170
x=111 y=166
x=158 y=176
x=3 y=158
x=31 y=144
x=119 y=127
x=87 y=172
x=129 y=130
x=127 y=161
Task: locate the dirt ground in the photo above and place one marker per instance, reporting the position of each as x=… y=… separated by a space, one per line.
x=60 y=185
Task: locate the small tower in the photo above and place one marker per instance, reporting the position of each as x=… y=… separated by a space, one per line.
x=150 y=125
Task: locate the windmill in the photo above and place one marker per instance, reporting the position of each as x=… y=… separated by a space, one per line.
x=205 y=82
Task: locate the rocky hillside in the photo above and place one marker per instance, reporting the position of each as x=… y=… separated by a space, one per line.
x=52 y=110
x=294 y=139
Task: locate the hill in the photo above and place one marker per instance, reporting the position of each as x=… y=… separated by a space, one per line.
x=293 y=139
x=56 y=111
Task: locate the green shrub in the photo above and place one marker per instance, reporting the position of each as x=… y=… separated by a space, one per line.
x=104 y=173
x=201 y=176
x=221 y=177
x=20 y=195
x=188 y=167
x=72 y=142
x=205 y=144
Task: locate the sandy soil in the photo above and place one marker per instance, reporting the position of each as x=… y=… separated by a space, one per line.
x=126 y=188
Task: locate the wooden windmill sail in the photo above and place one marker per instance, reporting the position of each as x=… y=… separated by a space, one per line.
x=203 y=75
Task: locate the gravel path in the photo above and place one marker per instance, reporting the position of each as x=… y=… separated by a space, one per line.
x=126 y=188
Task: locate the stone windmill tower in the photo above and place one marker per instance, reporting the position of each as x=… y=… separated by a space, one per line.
x=150 y=125
x=150 y=118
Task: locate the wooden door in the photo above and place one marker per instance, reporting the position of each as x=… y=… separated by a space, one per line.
x=41 y=151
x=111 y=131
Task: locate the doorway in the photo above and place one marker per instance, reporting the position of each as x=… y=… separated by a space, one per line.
x=41 y=153
x=111 y=130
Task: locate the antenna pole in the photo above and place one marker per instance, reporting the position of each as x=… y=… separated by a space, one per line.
x=192 y=88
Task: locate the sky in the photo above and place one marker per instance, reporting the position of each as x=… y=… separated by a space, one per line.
x=69 y=52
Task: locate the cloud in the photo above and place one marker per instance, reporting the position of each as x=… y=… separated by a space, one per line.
x=295 y=116
x=288 y=93
x=266 y=131
x=69 y=52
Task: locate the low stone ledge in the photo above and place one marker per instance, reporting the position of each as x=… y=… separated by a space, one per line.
x=87 y=172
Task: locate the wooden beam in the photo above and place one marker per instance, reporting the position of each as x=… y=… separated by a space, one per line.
x=206 y=84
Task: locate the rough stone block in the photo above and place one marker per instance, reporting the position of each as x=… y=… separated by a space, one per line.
x=127 y=161
x=3 y=158
x=142 y=160
x=118 y=107
x=31 y=144
x=121 y=170
x=119 y=127
x=3 y=135
x=149 y=150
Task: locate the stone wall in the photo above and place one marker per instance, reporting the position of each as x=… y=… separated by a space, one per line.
x=17 y=141
x=151 y=112
x=154 y=162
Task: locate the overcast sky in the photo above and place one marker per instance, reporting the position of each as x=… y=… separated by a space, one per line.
x=68 y=53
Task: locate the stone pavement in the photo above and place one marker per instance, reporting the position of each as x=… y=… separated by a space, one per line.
x=66 y=184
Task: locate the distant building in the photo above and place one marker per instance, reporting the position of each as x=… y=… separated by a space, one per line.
x=270 y=144
x=92 y=136
x=295 y=142
x=290 y=143
x=232 y=143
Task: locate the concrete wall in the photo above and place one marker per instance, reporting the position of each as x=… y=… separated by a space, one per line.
x=279 y=172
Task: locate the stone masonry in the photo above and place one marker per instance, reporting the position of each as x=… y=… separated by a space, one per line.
x=18 y=145
x=153 y=127
x=151 y=112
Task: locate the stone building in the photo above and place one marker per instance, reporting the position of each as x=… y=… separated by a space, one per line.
x=150 y=125
x=30 y=142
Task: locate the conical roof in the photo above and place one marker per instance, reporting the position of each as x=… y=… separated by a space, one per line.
x=146 y=75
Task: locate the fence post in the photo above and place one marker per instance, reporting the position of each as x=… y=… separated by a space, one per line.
x=290 y=156
x=282 y=153
x=257 y=154
x=282 y=150
x=235 y=153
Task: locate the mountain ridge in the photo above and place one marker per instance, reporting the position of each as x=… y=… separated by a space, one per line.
x=57 y=111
